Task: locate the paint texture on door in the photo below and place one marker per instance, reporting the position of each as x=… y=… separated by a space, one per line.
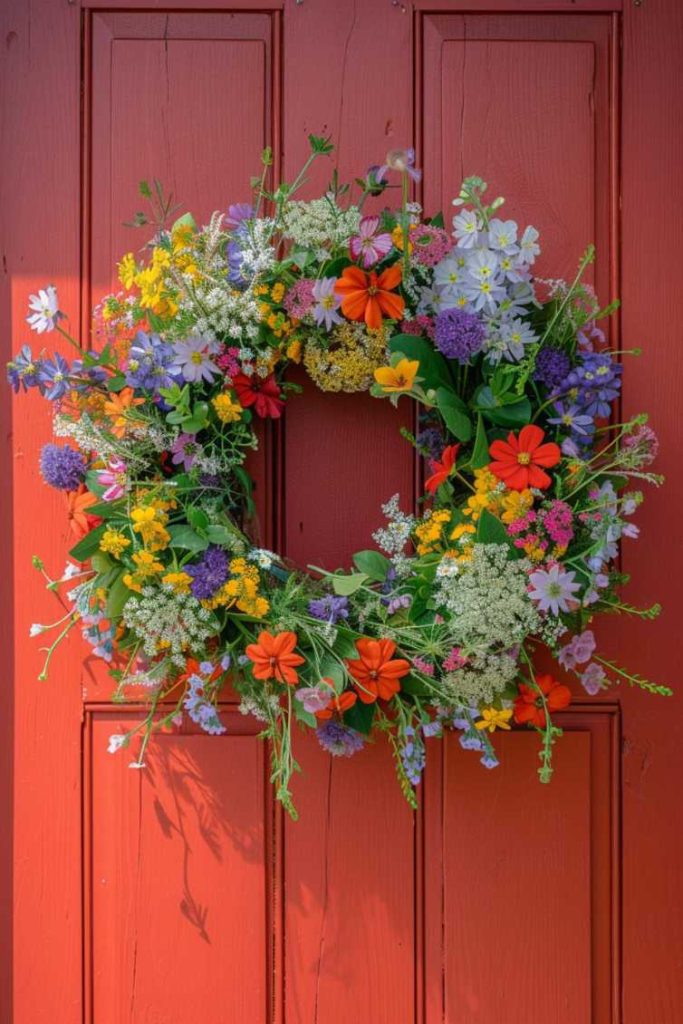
x=180 y=892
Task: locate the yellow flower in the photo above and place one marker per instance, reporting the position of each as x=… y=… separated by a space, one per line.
x=397 y=238
x=227 y=410
x=398 y=378
x=277 y=292
x=180 y=581
x=161 y=258
x=429 y=532
x=113 y=542
x=127 y=270
x=516 y=504
x=463 y=532
x=294 y=350
x=147 y=564
x=494 y=718
x=149 y=522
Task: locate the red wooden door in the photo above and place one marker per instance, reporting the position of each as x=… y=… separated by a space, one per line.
x=180 y=893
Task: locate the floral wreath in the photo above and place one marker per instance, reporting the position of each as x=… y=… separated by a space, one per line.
x=528 y=487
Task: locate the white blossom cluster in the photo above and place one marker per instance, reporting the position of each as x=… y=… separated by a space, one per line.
x=261 y=706
x=320 y=224
x=227 y=312
x=488 y=599
x=484 y=676
x=258 y=253
x=393 y=538
x=168 y=623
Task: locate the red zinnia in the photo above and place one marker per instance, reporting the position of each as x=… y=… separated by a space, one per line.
x=442 y=470
x=517 y=461
x=340 y=704
x=263 y=394
x=529 y=705
x=376 y=671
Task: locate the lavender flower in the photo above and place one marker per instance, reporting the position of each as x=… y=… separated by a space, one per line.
x=327 y=303
x=401 y=160
x=54 y=377
x=458 y=335
x=329 y=608
x=209 y=574
x=62 y=467
x=237 y=214
x=149 y=363
x=579 y=649
x=24 y=371
x=642 y=446
x=553 y=589
x=338 y=739
x=413 y=755
x=593 y=679
x=315 y=698
x=552 y=366
x=185 y=450
x=199 y=709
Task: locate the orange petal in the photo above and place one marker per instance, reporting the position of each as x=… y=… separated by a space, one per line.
x=390 y=277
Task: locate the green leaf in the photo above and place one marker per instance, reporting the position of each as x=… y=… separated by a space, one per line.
x=345 y=644
x=89 y=545
x=372 y=563
x=330 y=668
x=515 y=414
x=117 y=597
x=414 y=687
x=437 y=220
x=116 y=383
x=218 y=534
x=344 y=586
x=197 y=518
x=360 y=717
x=490 y=530
x=454 y=412
x=433 y=367
x=184 y=537
x=101 y=562
x=108 y=510
x=303 y=716
x=480 y=452
x=187 y=220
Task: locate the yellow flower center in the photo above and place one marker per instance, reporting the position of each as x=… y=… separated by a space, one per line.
x=524 y=458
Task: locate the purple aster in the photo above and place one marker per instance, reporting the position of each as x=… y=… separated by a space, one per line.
x=62 y=467
x=458 y=335
x=54 y=377
x=338 y=739
x=329 y=609
x=553 y=589
x=149 y=362
x=552 y=366
x=24 y=371
x=593 y=679
x=327 y=302
x=209 y=574
x=573 y=418
x=185 y=450
x=578 y=650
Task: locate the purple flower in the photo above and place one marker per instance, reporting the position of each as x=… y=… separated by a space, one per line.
x=237 y=214
x=315 y=698
x=113 y=478
x=597 y=382
x=150 y=363
x=23 y=371
x=185 y=450
x=593 y=679
x=209 y=574
x=401 y=160
x=299 y=299
x=62 y=467
x=397 y=604
x=412 y=755
x=643 y=445
x=367 y=245
x=489 y=760
x=552 y=366
x=329 y=609
x=579 y=649
x=432 y=441
x=200 y=710
x=553 y=589
x=573 y=418
x=327 y=303
x=54 y=377
x=458 y=335
x=338 y=739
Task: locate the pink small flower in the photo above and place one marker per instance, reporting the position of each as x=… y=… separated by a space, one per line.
x=367 y=245
x=454 y=661
x=315 y=698
x=423 y=666
x=114 y=479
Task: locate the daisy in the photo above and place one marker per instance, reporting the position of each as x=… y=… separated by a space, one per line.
x=553 y=589
x=45 y=311
x=193 y=359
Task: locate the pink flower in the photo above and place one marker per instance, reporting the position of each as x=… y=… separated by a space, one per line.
x=367 y=245
x=454 y=661
x=114 y=479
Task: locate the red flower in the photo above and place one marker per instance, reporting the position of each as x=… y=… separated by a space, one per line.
x=442 y=470
x=518 y=460
x=263 y=394
x=377 y=672
x=529 y=705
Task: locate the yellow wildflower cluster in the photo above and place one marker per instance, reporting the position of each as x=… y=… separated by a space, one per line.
x=486 y=495
x=355 y=352
x=179 y=581
x=153 y=280
x=227 y=407
x=146 y=567
x=241 y=590
x=149 y=521
x=113 y=542
x=516 y=504
x=430 y=533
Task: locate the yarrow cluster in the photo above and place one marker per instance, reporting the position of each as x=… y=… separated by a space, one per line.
x=524 y=489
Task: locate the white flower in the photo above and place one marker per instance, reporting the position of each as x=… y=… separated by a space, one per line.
x=529 y=248
x=36 y=629
x=137 y=764
x=45 y=310
x=70 y=570
x=466 y=228
x=117 y=741
x=503 y=236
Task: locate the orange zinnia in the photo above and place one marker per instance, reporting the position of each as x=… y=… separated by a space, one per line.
x=518 y=461
x=443 y=469
x=529 y=705
x=274 y=657
x=376 y=672
x=369 y=296
x=119 y=409
x=80 y=521
x=340 y=704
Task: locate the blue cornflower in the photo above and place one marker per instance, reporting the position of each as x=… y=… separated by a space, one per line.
x=62 y=467
x=329 y=609
x=54 y=377
x=23 y=371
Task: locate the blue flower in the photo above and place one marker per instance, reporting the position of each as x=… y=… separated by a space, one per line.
x=329 y=609
x=54 y=377
x=339 y=740
x=23 y=371
x=149 y=363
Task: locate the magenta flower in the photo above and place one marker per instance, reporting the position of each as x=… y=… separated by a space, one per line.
x=315 y=698
x=114 y=479
x=367 y=245
x=185 y=450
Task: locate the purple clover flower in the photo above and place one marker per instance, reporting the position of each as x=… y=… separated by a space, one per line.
x=209 y=574
x=62 y=467
x=339 y=740
x=329 y=608
x=458 y=335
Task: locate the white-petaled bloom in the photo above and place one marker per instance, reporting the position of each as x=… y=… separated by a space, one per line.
x=466 y=228
x=482 y=265
x=45 y=310
x=450 y=273
x=71 y=570
x=137 y=764
x=528 y=246
x=36 y=629
x=117 y=741
x=503 y=236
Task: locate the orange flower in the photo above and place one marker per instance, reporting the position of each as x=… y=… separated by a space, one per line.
x=274 y=657
x=529 y=705
x=518 y=460
x=340 y=704
x=80 y=521
x=119 y=408
x=377 y=672
x=442 y=470
x=369 y=296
